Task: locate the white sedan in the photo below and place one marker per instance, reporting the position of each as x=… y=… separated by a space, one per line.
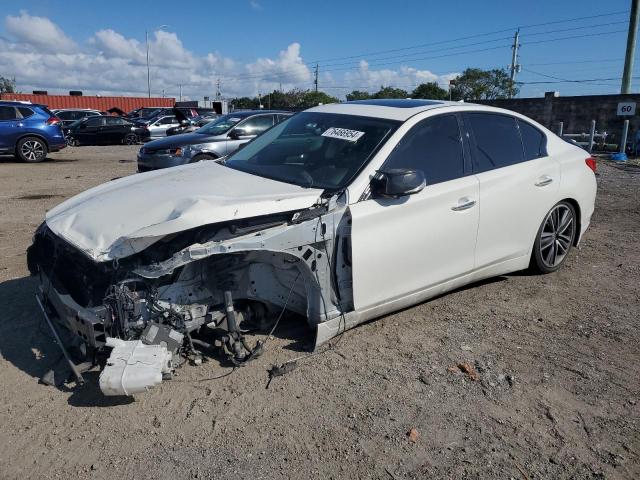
x=341 y=213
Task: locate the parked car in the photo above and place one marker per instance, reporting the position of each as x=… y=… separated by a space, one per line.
x=158 y=126
x=29 y=131
x=216 y=139
x=192 y=124
x=148 y=112
x=70 y=115
x=105 y=130
x=341 y=214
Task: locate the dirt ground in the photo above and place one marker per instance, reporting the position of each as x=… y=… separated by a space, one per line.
x=557 y=358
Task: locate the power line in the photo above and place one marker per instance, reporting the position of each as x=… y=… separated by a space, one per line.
x=510 y=29
x=259 y=76
x=609 y=14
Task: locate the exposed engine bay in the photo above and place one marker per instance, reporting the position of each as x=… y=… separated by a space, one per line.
x=145 y=310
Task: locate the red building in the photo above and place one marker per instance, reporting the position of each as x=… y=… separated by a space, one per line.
x=125 y=104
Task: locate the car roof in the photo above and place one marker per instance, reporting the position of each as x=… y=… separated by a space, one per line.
x=17 y=103
x=74 y=110
x=248 y=113
x=391 y=108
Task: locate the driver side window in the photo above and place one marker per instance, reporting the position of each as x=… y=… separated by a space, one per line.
x=257 y=125
x=434 y=146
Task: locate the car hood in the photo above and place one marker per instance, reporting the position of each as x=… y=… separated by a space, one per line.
x=125 y=216
x=179 y=140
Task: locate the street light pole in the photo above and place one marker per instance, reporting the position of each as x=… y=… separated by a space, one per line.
x=146 y=36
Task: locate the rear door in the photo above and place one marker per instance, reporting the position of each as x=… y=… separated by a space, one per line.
x=8 y=127
x=518 y=184
x=113 y=130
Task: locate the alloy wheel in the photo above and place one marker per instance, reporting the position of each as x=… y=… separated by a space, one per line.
x=32 y=150
x=557 y=235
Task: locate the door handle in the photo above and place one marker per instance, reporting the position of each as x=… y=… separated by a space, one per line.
x=544 y=180
x=463 y=204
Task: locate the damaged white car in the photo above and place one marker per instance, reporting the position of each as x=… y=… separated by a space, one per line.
x=341 y=213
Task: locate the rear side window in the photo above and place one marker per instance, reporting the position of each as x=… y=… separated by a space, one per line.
x=433 y=146
x=68 y=115
x=95 y=122
x=25 y=112
x=497 y=141
x=533 y=140
x=7 y=113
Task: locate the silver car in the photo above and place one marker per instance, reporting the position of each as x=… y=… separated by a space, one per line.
x=158 y=126
x=216 y=139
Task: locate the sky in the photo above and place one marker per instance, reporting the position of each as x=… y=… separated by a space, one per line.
x=256 y=46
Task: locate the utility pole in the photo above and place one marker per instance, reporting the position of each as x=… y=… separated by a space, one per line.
x=315 y=82
x=515 y=68
x=218 y=89
x=146 y=37
x=631 y=47
x=180 y=87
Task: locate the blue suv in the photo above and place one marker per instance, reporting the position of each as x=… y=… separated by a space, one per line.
x=29 y=131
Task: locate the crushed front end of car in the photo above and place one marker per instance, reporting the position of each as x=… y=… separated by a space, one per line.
x=143 y=300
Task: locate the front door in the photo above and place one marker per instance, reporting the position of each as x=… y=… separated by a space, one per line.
x=87 y=133
x=8 y=127
x=246 y=131
x=406 y=245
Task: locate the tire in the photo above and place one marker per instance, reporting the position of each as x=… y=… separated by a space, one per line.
x=130 y=139
x=202 y=156
x=554 y=239
x=31 y=150
x=72 y=142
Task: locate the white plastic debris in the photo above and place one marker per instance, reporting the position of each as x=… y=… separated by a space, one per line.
x=133 y=367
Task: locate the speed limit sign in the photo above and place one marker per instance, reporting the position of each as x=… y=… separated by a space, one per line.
x=626 y=108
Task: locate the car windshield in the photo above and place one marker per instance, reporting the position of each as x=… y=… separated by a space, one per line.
x=220 y=125
x=322 y=150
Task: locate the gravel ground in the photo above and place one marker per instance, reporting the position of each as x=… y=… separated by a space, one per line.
x=553 y=390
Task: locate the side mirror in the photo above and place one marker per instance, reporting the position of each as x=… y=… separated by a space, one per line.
x=397 y=182
x=236 y=133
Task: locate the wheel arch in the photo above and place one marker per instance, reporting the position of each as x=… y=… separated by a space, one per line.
x=37 y=135
x=576 y=206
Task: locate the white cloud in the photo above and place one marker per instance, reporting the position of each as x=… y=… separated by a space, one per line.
x=41 y=56
x=38 y=32
x=114 y=45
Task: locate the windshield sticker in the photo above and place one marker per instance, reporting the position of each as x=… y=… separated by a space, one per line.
x=343 y=134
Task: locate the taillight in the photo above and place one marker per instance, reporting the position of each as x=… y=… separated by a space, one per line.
x=591 y=163
x=53 y=121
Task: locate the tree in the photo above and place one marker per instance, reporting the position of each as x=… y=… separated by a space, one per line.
x=311 y=98
x=478 y=84
x=390 y=92
x=243 y=103
x=358 y=95
x=430 y=90
x=7 y=85
x=295 y=99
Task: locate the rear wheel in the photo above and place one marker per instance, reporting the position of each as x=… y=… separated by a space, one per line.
x=131 y=139
x=72 y=141
x=31 y=150
x=555 y=238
